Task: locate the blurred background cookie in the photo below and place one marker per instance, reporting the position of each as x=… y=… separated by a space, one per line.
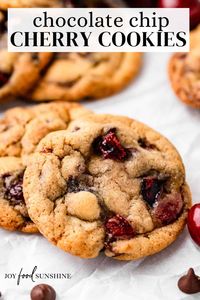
x=79 y=76
x=22 y=128
x=184 y=72
x=18 y=71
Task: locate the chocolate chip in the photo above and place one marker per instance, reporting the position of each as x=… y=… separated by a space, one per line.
x=151 y=189
x=43 y=292
x=190 y=283
x=145 y=144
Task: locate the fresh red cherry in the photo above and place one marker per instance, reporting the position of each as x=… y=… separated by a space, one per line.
x=194 y=223
x=194 y=6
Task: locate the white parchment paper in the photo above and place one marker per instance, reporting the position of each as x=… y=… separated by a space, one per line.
x=150 y=100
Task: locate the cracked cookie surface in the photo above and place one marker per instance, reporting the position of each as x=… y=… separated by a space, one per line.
x=78 y=76
x=184 y=72
x=107 y=183
x=21 y=129
x=13 y=211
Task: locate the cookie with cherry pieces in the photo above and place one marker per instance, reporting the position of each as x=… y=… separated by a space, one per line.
x=107 y=183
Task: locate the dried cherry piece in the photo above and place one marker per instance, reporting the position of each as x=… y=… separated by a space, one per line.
x=151 y=189
x=168 y=208
x=110 y=147
x=118 y=227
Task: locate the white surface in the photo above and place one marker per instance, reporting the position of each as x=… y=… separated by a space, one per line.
x=150 y=100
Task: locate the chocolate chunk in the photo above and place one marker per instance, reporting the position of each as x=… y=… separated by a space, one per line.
x=43 y=292
x=151 y=189
x=190 y=283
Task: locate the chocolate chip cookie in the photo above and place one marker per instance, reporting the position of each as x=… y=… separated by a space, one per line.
x=78 y=76
x=13 y=211
x=107 y=184
x=184 y=72
x=18 y=71
x=22 y=128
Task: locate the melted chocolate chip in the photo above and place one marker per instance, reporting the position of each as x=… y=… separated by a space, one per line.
x=43 y=292
x=151 y=189
x=74 y=185
x=145 y=144
x=13 y=188
x=190 y=283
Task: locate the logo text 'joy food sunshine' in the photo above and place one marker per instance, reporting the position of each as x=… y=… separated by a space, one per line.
x=34 y=275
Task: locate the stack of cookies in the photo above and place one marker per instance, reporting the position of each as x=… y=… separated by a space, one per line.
x=90 y=183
